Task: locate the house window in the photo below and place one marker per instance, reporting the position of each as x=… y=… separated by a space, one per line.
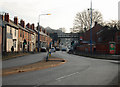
x=20 y=44
x=23 y=34
x=15 y=32
x=10 y=31
x=20 y=33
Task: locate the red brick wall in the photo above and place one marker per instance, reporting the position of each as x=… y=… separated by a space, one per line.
x=118 y=48
x=95 y=29
x=102 y=48
x=116 y=37
x=84 y=48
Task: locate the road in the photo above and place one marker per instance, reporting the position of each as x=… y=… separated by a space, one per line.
x=77 y=70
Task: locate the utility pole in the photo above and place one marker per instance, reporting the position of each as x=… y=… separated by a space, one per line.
x=38 y=37
x=91 y=30
x=39 y=30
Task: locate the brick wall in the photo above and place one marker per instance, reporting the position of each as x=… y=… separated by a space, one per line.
x=95 y=29
x=102 y=48
x=118 y=48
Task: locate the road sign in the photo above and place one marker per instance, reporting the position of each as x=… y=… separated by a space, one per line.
x=112 y=47
x=81 y=38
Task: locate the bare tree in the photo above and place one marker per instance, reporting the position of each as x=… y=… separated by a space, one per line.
x=82 y=20
x=113 y=23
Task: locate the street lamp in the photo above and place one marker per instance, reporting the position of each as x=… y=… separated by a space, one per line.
x=39 y=30
x=91 y=29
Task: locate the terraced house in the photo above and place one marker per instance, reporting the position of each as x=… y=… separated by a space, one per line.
x=10 y=34
x=45 y=39
x=23 y=38
x=31 y=37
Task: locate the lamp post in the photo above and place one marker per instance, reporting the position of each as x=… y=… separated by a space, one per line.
x=91 y=28
x=39 y=30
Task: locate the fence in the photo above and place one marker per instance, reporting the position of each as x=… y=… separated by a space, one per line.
x=100 y=48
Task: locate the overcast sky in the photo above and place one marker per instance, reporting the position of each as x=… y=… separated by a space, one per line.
x=62 y=11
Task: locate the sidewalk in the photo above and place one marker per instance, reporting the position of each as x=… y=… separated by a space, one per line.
x=23 y=60
x=97 y=56
x=52 y=62
x=14 y=55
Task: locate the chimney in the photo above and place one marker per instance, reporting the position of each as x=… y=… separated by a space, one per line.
x=32 y=26
x=22 y=23
x=16 y=20
x=44 y=31
x=2 y=17
x=28 y=25
x=7 y=17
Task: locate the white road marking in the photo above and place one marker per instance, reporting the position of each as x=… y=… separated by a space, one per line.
x=62 y=77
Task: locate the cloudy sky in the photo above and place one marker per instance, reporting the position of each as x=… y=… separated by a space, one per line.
x=62 y=11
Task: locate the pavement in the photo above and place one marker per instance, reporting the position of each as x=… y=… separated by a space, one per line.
x=23 y=60
x=97 y=56
x=14 y=55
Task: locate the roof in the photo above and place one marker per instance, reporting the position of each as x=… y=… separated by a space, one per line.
x=10 y=23
x=22 y=28
x=13 y=24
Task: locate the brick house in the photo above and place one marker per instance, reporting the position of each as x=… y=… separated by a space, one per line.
x=22 y=36
x=9 y=34
x=101 y=37
x=49 y=39
x=45 y=39
x=105 y=36
x=117 y=40
x=97 y=28
x=31 y=37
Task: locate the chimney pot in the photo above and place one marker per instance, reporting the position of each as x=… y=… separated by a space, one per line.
x=16 y=20
x=22 y=23
x=32 y=26
x=28 y=25
x=7 y=17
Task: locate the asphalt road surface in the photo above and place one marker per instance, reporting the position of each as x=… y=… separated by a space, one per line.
x=77 y=70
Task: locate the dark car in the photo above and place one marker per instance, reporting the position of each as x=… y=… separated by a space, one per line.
x=57 y=49
x=43 y=49
x=64 y=49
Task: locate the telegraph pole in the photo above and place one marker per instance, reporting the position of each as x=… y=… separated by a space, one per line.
x=38 y=36
x=91 y=30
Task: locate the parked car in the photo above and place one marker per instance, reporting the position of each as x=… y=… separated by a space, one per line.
x=57 y=49
x=53 y=49
x=64 y=49
x=43 y=49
